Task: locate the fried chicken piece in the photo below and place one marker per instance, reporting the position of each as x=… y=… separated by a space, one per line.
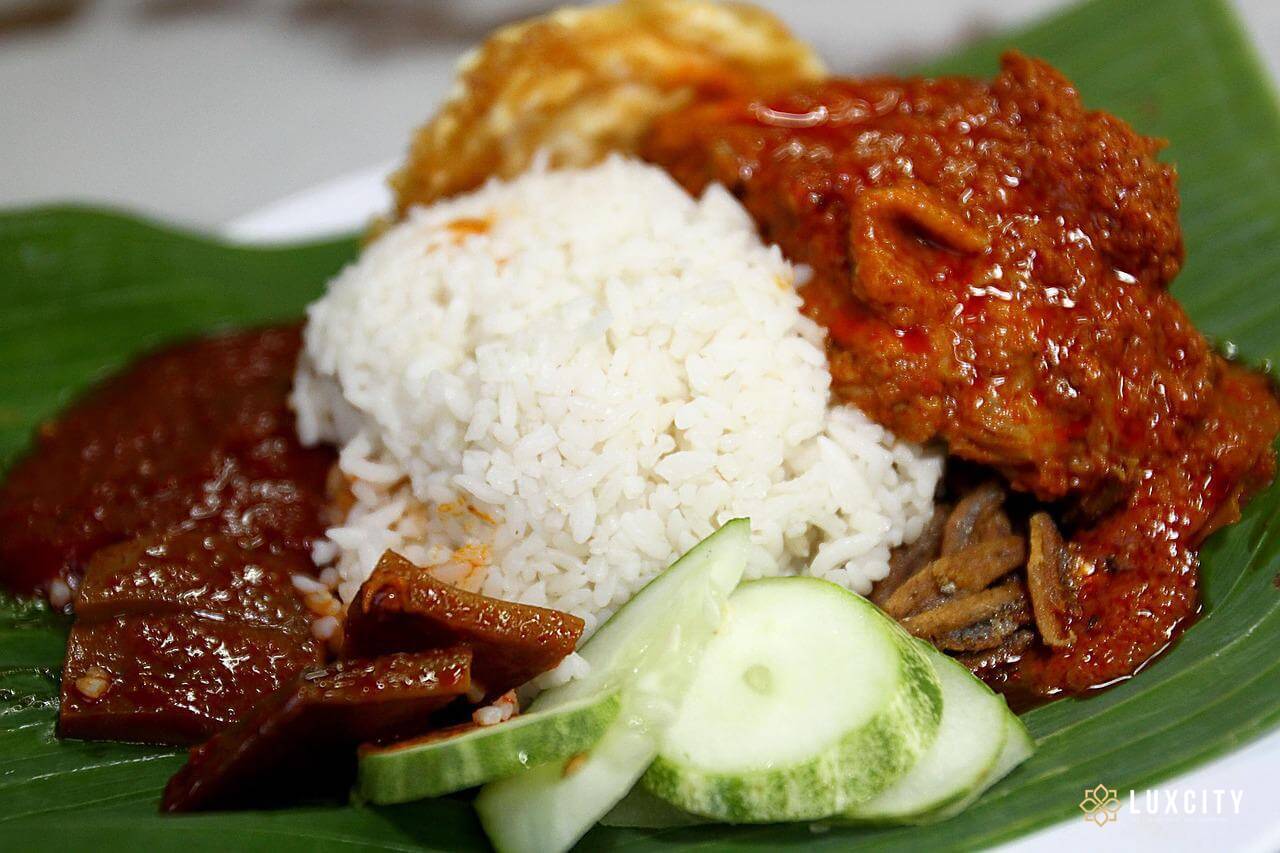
x=579 y=83
x=991 y=263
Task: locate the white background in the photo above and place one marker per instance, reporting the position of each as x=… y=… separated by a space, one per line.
x=197 y=111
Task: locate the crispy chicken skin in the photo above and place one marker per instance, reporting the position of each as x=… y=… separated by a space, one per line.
x=991 y=261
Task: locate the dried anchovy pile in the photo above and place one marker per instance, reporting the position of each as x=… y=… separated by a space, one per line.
x=974 y=587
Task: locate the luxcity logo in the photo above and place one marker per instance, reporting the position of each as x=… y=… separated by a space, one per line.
x=1102 y=805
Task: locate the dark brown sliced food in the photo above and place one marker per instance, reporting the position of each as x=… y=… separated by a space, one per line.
x=1009 y=600
x=197 y=431
x=911 y=558
x=951 y=598
x=972 y=509
x=1004 y=654
x=914 y=594
x=981 y=636
x=1047 y=573
x=302 y=739
x=401 y=607
x=173 y=678
x=992 y=524
x=200 y=571
x=979 y=564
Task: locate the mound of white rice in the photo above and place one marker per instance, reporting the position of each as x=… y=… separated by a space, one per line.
x=550 y=388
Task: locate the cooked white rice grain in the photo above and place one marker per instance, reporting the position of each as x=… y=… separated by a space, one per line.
x=550 y=388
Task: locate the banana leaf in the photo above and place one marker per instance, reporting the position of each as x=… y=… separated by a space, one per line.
x=84 y=290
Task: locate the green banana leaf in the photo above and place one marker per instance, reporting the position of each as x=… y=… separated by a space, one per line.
x=83 y=290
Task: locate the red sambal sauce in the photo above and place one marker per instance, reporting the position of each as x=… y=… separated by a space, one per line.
x=992 y=263
x=199 y=433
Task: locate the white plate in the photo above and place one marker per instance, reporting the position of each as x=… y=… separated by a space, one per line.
x=348 y=203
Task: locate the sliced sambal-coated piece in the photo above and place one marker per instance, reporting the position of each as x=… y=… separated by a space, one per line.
x=401 y=607
x=200 y=430
x=302 y=739
x=178 y=633
x=197 y=570
x=171 y=678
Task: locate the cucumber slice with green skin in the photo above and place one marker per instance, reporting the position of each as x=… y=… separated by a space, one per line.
x=648 y=651
x=409 y=771
x=970 y=738
x=636 y=641
x=641 y=809
x=807 y=701
x=548 y=808
x=1018 y=747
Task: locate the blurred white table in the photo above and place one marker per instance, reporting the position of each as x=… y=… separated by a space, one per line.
x=198 y=110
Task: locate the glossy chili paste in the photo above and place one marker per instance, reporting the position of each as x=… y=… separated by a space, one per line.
x=175 y=501
x=196 y=432
x=991 y=261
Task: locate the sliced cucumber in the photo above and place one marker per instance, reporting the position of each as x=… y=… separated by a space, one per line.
x=648 y=651
x=429 y=768
x=639 y=640
x=970 y=738
x=955 y=747
x=1018 y=747
x=551 y=806
x=807 y=701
